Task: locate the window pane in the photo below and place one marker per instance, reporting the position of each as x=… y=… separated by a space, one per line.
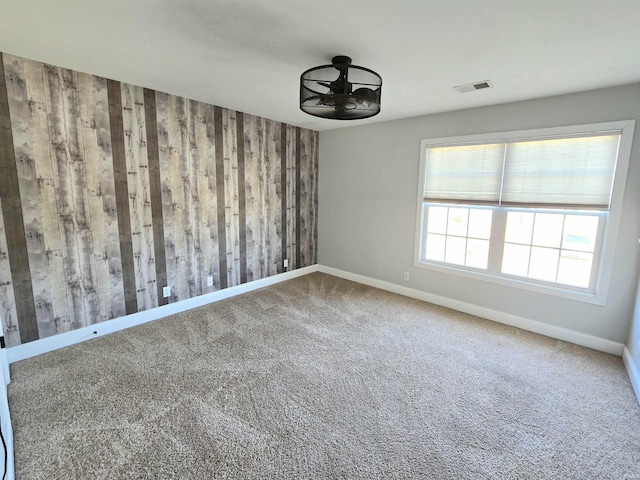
x=519 y=227
x=437 y=222
x=477 y=253
x=480 y=223
x=434 y=247
x=575 y=268
x=457 y=224
x=547 y=230
x=580 y=233
x=455 y=250
x=544 y=264
x=515 y=259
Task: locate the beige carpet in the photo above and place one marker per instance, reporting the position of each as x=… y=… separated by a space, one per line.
x=321 y=378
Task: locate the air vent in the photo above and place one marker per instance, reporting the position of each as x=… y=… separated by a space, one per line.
x=472 y=87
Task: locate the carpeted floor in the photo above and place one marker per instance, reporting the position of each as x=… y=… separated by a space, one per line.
x=321 y=378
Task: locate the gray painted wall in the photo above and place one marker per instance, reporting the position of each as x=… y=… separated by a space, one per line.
x=367 y=213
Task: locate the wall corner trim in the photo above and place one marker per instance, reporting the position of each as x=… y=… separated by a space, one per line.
x=559 y=333
x=632 y=370
x=44 y=345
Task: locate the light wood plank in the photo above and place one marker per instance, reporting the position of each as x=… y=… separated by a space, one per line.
x=189 y=152
x=133 y=119
x=96 y=134
x=232 y=206
x=31 y=152
x=306 y=196
x=252 y=195
x=292 y=217
x=165 y=108
x=273 y=258
x=67 y=149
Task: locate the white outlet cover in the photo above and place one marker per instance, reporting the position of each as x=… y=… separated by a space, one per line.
x=286 y=262
x=166 y=292
x=209 y=281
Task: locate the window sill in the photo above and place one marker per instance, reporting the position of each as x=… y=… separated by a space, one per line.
x=525 y=284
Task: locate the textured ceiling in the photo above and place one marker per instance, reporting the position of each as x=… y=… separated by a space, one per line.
x=248 y=54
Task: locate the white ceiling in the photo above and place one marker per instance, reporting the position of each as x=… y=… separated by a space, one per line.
x=248 y=55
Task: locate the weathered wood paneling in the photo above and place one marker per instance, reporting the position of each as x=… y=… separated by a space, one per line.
x=274 y=234
x=312 y=188
x=221 y=197
x=242 y=209
x=8 y=312
x=155 y=192
x=253 y=192
x=203 y=172
x=210 y=199
x=122 y=195
x=263 y=211
x=282 y=192
x=96 y=134
x=117 y=191
x=291 y=193
x=133 y=120
x=34 y=194
x=308 y=197
x=299 y=206
x=72 y=196
x=164 y=109
x=232 y=201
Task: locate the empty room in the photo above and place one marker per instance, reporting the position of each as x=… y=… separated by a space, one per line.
x=336 y=240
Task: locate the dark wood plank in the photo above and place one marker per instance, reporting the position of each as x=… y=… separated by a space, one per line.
x=314 y=199
x=122 y=195
x=155 y=187
x=222 y=233
x=283 y=195
x=8 y=313
x=273 y=252
x=211 y=210
x=12 y=215
x=242 y=213
x=298 y=191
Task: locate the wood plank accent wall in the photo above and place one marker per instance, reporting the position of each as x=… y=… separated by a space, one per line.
x=109 y=192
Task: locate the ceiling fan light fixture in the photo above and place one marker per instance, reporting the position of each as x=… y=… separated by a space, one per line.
x=340 y=91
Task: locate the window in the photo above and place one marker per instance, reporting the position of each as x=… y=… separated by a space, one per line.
x=538 y=209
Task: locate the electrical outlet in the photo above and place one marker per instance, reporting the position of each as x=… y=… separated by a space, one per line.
x=286 y=263
x=406 y=276
x=166 y=292
x=209 y=281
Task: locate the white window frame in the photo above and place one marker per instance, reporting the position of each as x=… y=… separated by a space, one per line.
x=603 y=258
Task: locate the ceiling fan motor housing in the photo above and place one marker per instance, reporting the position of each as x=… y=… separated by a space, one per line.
x=340 y=91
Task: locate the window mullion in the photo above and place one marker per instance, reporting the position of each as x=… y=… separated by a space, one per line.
x=496 y=245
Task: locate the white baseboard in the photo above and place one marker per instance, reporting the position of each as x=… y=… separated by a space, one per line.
x=632 y=370
x=44 y=345
x=571 y=336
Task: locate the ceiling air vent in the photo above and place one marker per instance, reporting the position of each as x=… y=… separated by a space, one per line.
x=472 y=87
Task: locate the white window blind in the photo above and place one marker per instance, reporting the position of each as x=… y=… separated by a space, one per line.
x=464 y=173
x=574 y=171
